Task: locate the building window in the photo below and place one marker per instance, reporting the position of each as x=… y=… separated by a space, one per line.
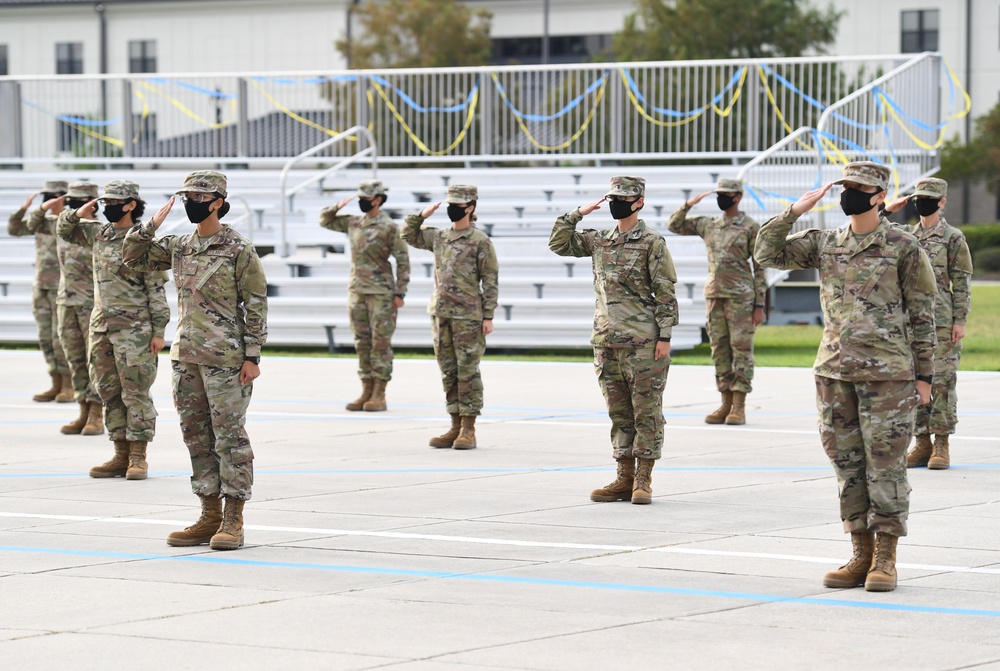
x=3 y=60
x=142 y=56
x=69 y=58
x=920 y=30
x=562 y=49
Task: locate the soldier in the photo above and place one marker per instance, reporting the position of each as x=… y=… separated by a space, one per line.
x=373 y=296
x=949 y=255
x=734 y=293
x=875 y=284
x=45 y=287
x=215 y=356
x=126 y=328
x=635 y=312
x=461 y=308
x=76 y=302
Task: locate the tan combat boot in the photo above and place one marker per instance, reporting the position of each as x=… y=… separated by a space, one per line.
x=366 y=393
x=200 y=532
x=921 y=451
x=95 y=420
x=230 y=534
x=66 y=393
x=137 y=465
x=621 y=488
x=642 y=490
x=377 y=400
x=117 y=466
x=854 y=572
x=76 y=426
x=940 y=459
x=50 y=394
x=447 y=439
x=737 y=415
x=467 y=434
x=719 y=416
x=882 y=576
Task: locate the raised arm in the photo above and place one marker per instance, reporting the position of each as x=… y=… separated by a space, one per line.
x=681 y=224
x=142 y=252
x=565 y=240
x=329 y=218
x=69 y=228
x=415 y=234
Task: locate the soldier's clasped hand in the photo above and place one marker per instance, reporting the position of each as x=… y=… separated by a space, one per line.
x=162 y=213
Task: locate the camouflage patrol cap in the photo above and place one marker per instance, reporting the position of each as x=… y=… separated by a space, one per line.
x=205 y=181
x=866 y=172
x=121 y=189
x=627 y=186
x=729 y=186
x=932 y=187
x=82 y=190
x=55 y=186
x=371 y=188
x=462 y=193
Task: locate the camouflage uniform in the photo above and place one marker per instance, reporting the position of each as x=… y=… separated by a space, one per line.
x=635 y=307
x=130 y=308
x=371 y=291
x=872 y=289
x=465 y=294
x=222 y=318
x=733 y=289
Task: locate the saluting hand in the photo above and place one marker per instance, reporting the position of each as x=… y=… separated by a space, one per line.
x=587 y=209
x=430 y=209
x=52 y=202
x=809 y=199
x=697 y=199
x=342 y=204
x=87 y=211
x=897 y=205
x=162 y=213
x=31 y=199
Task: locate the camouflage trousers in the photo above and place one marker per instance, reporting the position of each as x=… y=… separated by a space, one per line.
x=74 y=336
x=122 y=370
x=730 y=334
x=632 y=382
x=373 y=321
x=212 y=405
x=941 y=415
x=43 y=306
x=865 y=428
x=459 y=345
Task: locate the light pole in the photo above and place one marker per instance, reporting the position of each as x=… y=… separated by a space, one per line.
x=545 y=32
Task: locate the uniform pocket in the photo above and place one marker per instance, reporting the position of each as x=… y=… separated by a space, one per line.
x=242 y=455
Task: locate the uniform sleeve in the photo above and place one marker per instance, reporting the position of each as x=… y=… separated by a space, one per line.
x=774 y=248
x=919 y=292
x=413 y=233
x=329 y=218
x=565 y=240
x=759 y=271
x=662 y=277
x=141 y=252
x=251 y=283
x=402 y=256
x=156 y=295
x=69 y=229
x=960 y=273
x=489 y=275
x=681 y=224
x=16 y=225
x=37 y=222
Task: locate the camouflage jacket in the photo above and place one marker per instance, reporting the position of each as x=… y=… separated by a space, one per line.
x=373 y=240
x=76 y=265
x=730 y=242
x=871 y=290
x=221 y=292
x=465 y=269
x=634 y=280
x=46 y=256
x=949 y=254
x=124 y=299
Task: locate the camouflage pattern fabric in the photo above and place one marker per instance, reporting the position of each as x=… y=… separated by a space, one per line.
x=462 y=193
x=865 y=427
x=76 y=265
x=212 y=406
x=627 y=186
x=373 y=321
x=205 y=181
x=730 y=334
x=866 y=172
x=632 y=382
x=371 y=188
x=43 y=227
x=459 y=345
x=940 y=416
x=121 y=189
x=726 y=185
x=372 y=240
x=634 y=280
x=122 y=370
x=930 y=187
x=74 y=336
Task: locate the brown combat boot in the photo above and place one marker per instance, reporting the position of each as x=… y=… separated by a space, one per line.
x=854 y=572
x=230 y=534
x=117 y=466
x=882 y=576
x=940 y=459
x=467 y=434
x=95 y=420
x=737 y=415
x=377 y=400
x=50 y=394
x=719 y=416
x=642 y=490
x=366 y=393
x=200 y=532
x=447 y=439
x=76 y=426
x=66 y=393
x=621 y=488
x=137 y=465
x=921 y=451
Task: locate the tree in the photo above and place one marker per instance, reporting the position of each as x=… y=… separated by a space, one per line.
x=664 y=30
x=979 y=160
x=418 y=34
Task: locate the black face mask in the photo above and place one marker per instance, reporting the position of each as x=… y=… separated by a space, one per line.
x=926 y=206
x=620 y=209
x=456 y=212
x=366 y=205
x=75 y=203
x=725 y=200
x=49 y=196
x=115 y=213
x=855 y=201
x=197 y=212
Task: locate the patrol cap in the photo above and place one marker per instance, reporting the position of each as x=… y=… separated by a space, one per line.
x=462 y=193
x=627 y=186
x=932 y=187
x=866 y=172
x=55 y=186
x=371 y=188
x=729 y=186
x=121 y=189
x=205 y=181
x=82 y=190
